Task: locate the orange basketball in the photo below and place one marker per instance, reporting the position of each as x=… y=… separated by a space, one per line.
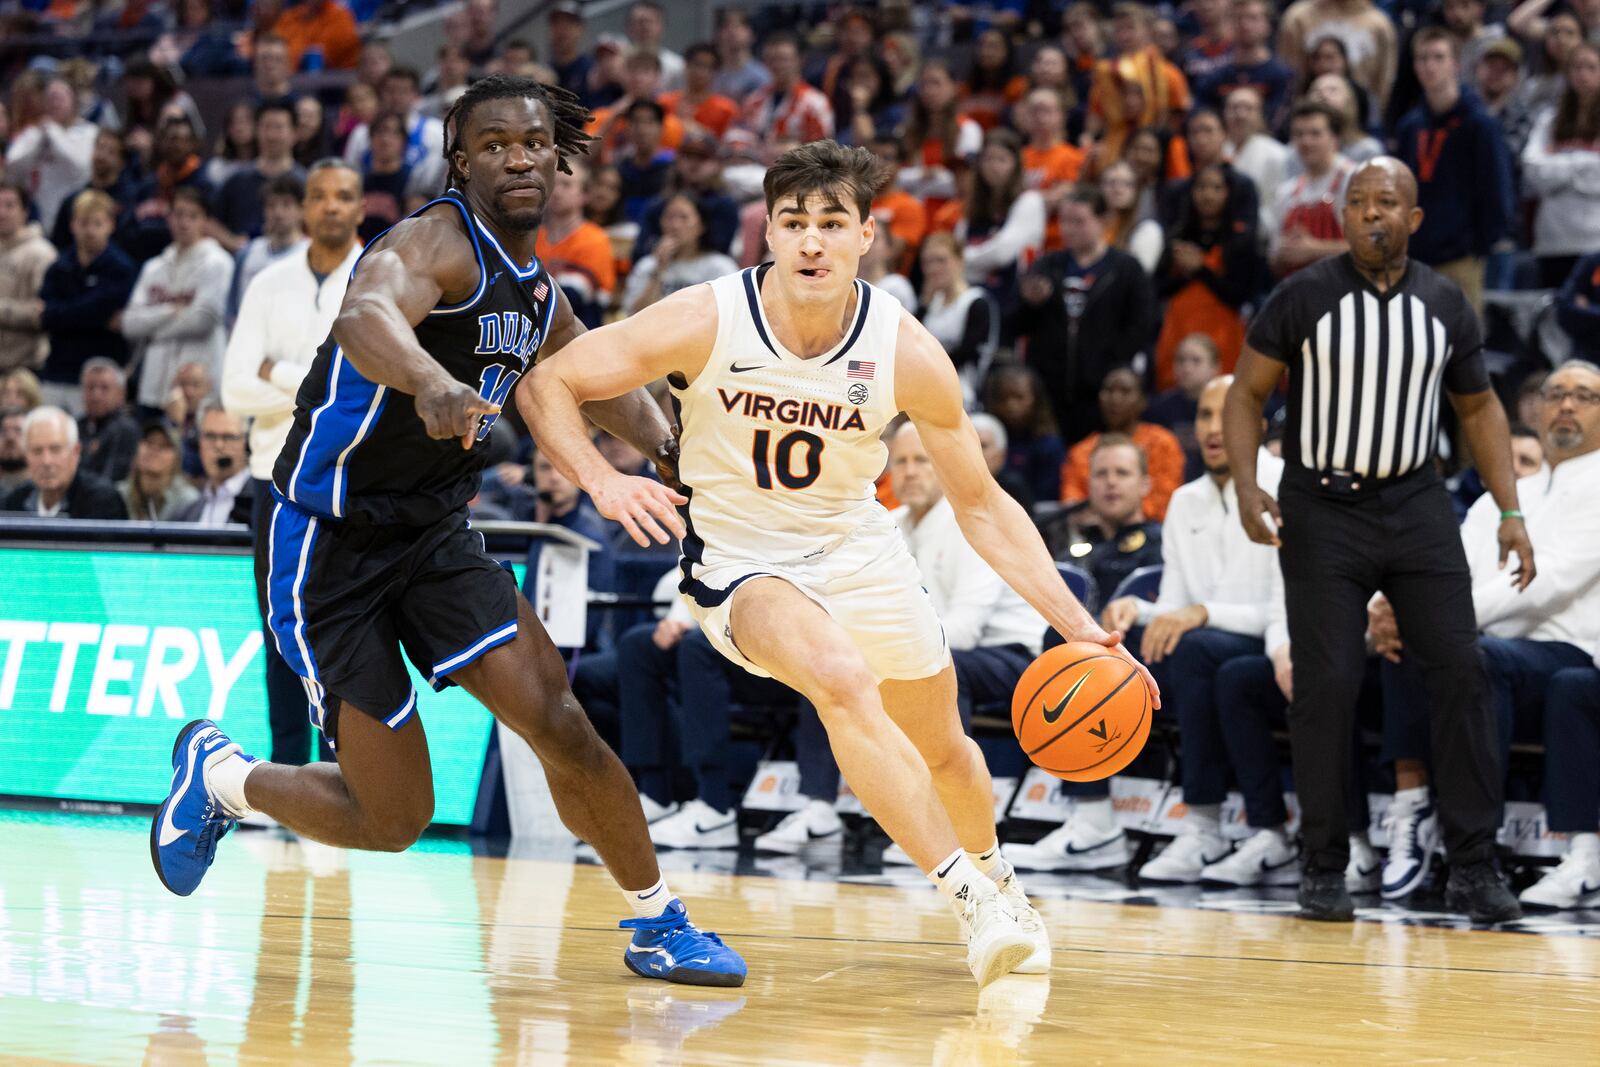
x=1081 y=711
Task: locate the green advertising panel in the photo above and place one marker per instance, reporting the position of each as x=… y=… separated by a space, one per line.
x=105 y=654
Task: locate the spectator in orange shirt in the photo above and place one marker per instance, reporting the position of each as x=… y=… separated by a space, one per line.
x=695 y=104
x=575 y=251
x=1049 y=163
x=1114 y=112
x=1122 y=401
x=901 y=216
x=641 y=80
x=995 y=82
x=604 y=207
x=938 y=140
x=325 y=24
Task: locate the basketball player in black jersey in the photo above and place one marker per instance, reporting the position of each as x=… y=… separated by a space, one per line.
x=371 y=552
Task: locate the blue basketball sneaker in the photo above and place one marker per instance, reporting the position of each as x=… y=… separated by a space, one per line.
x=190 y=822
x=670 y=947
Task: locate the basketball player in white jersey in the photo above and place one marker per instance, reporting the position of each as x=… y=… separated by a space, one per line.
x=784 y=377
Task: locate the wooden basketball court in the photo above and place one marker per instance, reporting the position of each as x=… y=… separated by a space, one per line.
x=298 y=954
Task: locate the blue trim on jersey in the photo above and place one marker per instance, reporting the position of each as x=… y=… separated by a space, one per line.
x=291 y=540
x=707 y=597
x=477 y=250
x=337 y=426
x=754 y=297
x=861 y=320
x=439 y=677
x=403 y=713
x=522 y=273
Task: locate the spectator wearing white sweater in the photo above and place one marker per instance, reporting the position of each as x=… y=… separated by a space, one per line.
x=1004 y=222
x=1561 y=166
x=24 y=257
x=178 y=304
x=51 y=157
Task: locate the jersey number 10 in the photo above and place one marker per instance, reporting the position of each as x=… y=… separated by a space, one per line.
x=783 y=459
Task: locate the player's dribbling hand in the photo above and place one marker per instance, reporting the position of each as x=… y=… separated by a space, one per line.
x=645 y=508
x=449 y=409
x=1113 y=640
x=1255 y=501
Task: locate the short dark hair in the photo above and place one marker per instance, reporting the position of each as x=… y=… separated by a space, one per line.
x=828 y=168
x=655 y=110
x=281 y=104
x=193 y=194
x=1089 y=195
x=1309 y=108
x=1432 y=34
x=1522 y=429
x=780 y=37
x=284 y=186
x=566 y=111
x=408 y=73
x=1200 y=113
x=21 y=192
x=1120 y=440
x=700 y=48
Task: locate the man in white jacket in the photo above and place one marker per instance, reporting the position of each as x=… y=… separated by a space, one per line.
x=285 y=315
x=1529 y=637
x=51 y=157
x=1217 y=589
x=178 y=303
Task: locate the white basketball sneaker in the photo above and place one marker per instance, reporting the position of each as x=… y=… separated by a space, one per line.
x=1190 y=853
x=815 y=824
x=698 y=825
x=1573 y=884
x=654 y=812
x=1364 y=872
x=1413 y=839
x=1267 y=857
x=1088 y=841
x=996 y=942
x=1032 y=924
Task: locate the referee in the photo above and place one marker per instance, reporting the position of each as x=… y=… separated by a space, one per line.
x=1370 y=338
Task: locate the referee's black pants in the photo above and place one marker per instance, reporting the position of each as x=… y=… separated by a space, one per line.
x=1341 y=545
x=287 y=708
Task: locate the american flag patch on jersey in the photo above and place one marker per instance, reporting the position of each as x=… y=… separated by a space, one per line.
x=860 y=368
x=541 y=291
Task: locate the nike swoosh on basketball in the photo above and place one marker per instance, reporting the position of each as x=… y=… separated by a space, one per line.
x=169 y=829
x=1052 y=714
x=754 y=366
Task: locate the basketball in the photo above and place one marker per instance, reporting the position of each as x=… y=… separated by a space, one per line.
x=1081 y=711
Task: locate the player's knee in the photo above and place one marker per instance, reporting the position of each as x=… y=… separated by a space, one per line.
x=398 y=830
x=840 y=683
x=952 y=753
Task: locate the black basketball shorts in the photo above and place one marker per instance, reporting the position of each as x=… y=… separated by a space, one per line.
x=345 y=600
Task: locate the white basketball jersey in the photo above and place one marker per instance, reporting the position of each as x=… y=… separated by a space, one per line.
x=780 y=455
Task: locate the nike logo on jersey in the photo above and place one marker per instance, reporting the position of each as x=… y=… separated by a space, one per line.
x=754 y=366
x=791 y=412
x=1052 y=714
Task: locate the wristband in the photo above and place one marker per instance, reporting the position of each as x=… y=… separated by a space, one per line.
x=1504 y=515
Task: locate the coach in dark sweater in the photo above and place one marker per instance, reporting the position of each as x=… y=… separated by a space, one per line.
x=1083 y=311
x=1458 y=153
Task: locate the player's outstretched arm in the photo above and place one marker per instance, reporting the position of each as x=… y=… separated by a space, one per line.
x=634 y=416
x=993 y=523
x=674 y=336
x=398 y=282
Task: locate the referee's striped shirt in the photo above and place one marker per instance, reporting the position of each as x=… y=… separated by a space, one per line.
x=1366 y=368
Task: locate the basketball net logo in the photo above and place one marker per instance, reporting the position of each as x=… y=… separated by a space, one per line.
x=1052 y=714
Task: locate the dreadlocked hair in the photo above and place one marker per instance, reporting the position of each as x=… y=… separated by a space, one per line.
x=566 y=111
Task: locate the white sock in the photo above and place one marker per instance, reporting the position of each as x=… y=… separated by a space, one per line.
x=225 y=778
x=991 y=863
x=1409 y=799
x=648 y=903
x=957 y=878
x=1585 y=843
x=1205 y=819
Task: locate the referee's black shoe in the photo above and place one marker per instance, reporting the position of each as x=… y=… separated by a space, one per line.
x=1324 y=898
x=1478 y=890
